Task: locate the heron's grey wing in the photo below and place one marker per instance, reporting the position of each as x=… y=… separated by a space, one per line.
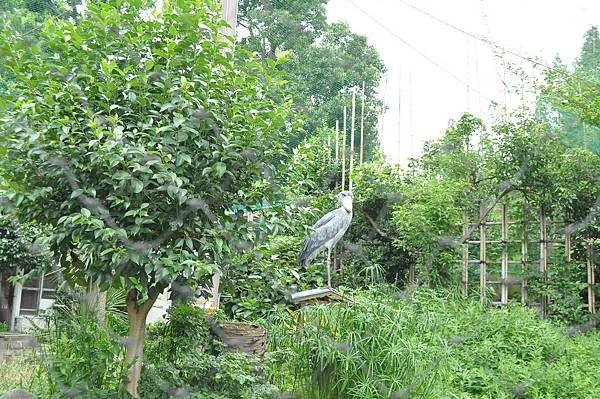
x=327 y=228
x=328 y=216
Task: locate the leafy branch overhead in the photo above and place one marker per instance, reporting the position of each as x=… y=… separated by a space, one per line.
x=132 y=132
x=130 y=148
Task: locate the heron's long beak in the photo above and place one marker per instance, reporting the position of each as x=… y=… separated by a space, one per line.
x=347 y=203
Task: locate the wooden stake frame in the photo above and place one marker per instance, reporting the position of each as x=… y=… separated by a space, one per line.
x=542 y=262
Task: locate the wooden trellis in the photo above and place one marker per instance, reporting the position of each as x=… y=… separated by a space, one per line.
x=504 y=283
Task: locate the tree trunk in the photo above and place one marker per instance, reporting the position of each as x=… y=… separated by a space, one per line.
x=135 y=343
x=95 y=301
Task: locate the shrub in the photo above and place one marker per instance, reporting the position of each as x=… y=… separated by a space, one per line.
x=258 y=282
x=83 y=358
x=423 y=344
x=182 y=359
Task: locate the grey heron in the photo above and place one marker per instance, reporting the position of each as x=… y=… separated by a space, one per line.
x=327 y=232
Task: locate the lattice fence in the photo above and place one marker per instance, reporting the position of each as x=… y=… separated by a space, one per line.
x=513 y=244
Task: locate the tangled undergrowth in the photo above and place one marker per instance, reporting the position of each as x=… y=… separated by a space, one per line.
x=426 y=345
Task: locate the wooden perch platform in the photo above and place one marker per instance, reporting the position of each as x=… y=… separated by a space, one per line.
x=318 y=295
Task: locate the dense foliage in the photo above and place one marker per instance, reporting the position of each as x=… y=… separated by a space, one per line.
x=18 y=248
x=133 y=132
x=423 y=344
x=326 y=61
x=183 y=359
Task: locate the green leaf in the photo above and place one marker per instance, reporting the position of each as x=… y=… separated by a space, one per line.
x=221 y=168
x=137 y=186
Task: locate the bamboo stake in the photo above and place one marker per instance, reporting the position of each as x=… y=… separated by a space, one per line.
x=344 y=152
x=482 y=254
x=362 y=123
x=329 y=146
x=504 y=272
x=591 y=280
x=337 y=140
x=465 y=257
x=524 y=256
x=352 y=139
x=543 y=258
x=400 y=116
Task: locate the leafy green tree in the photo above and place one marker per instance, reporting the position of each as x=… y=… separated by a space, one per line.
x=572 y=98
x=326 y=61
x=133 y=133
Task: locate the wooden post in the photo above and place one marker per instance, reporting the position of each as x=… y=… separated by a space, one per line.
x=362 y=124
x=543 y=259
x=352 y=139
x=482 y=254
x=16 y=304
x=524 y=268
x=229 y=14
x=344 y=152
x=337 y=140
x=504 y=271
x=465 y=256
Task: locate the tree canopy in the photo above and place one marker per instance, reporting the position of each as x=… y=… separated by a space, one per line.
x=132 y=133
x=326 y=61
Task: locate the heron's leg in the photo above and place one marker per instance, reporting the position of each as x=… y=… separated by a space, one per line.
x=328 y=267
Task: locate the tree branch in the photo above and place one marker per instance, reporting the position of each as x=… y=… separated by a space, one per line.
x=376 y=228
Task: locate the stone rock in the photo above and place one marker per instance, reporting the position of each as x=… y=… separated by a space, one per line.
x=17 y=394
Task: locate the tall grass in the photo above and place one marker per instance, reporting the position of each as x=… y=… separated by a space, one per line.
x=425 y=345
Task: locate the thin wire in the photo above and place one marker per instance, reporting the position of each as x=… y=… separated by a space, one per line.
x=416 y=50
x=477 y=76
x=492 y=43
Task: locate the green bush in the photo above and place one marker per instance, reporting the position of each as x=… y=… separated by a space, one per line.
x=422 y=344
x=182 y=359
x=83 y=358
x=259 y=281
